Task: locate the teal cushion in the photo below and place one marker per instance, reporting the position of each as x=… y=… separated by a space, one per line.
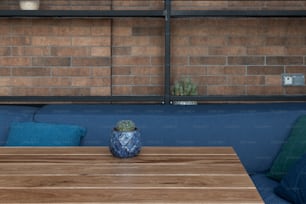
x=293 y=184
x=44 y=134
x=291 y=150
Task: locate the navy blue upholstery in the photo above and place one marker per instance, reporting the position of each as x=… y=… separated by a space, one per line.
x=266 y=186
x=9 y=114
x=256 y=131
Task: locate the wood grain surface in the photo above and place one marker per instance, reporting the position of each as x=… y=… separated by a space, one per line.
x=93 y=175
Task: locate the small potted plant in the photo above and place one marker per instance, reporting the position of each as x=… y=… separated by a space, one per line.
x=29 y=4
x=184 y=87
x=125 y=140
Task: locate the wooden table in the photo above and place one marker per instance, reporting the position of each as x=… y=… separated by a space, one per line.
x=92 y=175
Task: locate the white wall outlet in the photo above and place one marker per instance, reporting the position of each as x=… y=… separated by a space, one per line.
x=287 y=80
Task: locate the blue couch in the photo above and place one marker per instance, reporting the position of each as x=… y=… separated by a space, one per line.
x=256 y=131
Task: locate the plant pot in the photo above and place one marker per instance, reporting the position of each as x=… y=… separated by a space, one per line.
x=185 y=103
x=125 y=144
x=29 y=4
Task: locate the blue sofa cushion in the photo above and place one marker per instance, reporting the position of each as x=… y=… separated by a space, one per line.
x=44 y=134
x=293 y=184
x=14 y=113
x=265 y=187
x=291 y=150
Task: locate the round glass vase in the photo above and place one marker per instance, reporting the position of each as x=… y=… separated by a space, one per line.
x=125 y=144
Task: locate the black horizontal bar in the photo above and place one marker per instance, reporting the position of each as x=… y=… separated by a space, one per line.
x=152 y=13
x=81 y=13
x=80 y=98
x=160 y=99
x=238 y=98
x=238 y=13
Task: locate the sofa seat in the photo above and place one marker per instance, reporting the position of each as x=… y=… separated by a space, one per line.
x=265 y=187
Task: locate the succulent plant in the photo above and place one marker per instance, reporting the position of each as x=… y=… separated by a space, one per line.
x=125 y=126
x=184 y=87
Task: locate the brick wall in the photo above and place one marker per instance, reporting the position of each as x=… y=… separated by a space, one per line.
x=244 y=56
x=125 y=56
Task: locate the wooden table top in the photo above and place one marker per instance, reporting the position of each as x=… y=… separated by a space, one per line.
x=92 y=175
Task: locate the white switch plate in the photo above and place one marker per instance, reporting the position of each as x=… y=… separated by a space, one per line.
x=293 y=79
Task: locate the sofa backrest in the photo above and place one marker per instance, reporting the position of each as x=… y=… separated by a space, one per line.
x=13 y=113
x=256 y=131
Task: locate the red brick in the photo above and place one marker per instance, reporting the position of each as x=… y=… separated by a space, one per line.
x=215 y=70
x=100 y=51
x=135 y=60
x=264 y=90
x=142 y=70
x=207 y=60
x=5 y=81
x=89 y=82
x=51 y=61
x=235 y=70
x=30 y=51
x=91 y=41
x=121 y=50
x=265 y=70
x=295 y=90
x=70 y=91
x=296 y=69
x=4 y=71
x=15 y=61
x=30 y=91
x=130 y=41
x=189 y=51
x=50 y=41
x=255 y=80
x=101 y=71
x=296 y=51
x=233 y=51
x=31 y=71
x=70 y=71
x=246 y=60
x=69 y=51
x=246 y=40
x=157 y=61
x=225 y=90
x=273 y=80
x=146 y=51
x=285 y=60
x=5 y=91
x=5 y=51
x=208 y=41
x=91 y=61
x=146 y=90
x=100 y=91
x=272 y=50
x=122 y=90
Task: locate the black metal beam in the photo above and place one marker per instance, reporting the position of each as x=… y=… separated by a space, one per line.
x=167 y=66
x=82 y=13
x=157 y=99
x=80 y=98
x=152 y=13
x=238 y=13
x=238 y=98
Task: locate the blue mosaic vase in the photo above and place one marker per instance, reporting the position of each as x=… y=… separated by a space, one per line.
x=125 y=144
